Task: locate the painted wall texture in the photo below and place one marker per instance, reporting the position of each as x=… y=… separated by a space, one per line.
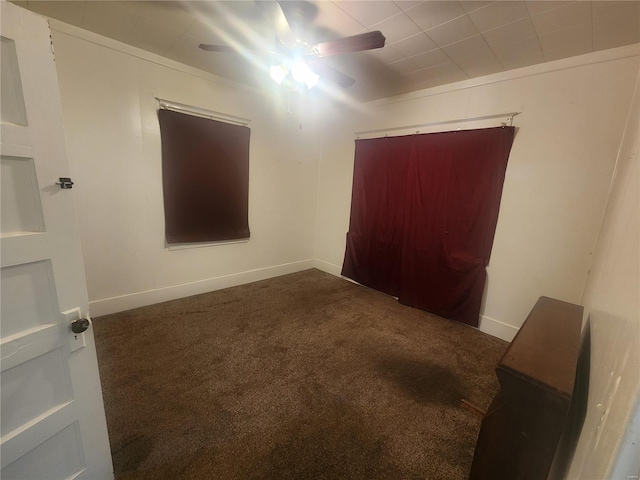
x=574 y=133
x=610 y=443
x=113 y=140
x=557 y=179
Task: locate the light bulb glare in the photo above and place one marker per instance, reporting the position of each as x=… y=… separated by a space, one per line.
x=303 y=74
x=278 y=73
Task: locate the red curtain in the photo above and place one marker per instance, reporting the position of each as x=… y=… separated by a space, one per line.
x=424 y=210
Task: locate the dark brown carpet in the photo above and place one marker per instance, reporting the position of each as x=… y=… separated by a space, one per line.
x=304 y=376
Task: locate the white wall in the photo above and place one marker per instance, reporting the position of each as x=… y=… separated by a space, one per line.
x=569 y=132
x=573 y=116
x=113 y=140
x=609 y=446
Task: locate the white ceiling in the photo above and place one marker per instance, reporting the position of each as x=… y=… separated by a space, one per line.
x=429 y=43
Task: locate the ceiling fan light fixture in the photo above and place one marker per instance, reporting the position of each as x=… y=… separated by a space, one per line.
x=312 y=79
x=278 y=73
x=293 y=47
x=303 y=74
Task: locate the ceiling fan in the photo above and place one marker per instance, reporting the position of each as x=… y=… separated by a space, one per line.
x=293 y=56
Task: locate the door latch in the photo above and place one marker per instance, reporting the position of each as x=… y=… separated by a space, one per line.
x=65 y=182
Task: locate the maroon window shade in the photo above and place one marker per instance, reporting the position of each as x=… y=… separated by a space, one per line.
x=424 y=211
x=205 y=178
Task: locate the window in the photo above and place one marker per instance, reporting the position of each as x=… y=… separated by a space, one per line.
x=205 y=178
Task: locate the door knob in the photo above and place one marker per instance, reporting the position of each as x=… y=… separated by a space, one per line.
x=80 y=325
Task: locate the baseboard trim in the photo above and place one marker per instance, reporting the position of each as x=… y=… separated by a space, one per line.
x=327 y=267
x=149 y=297
x=121 y=303
x=488 y=325
x=497 y=329
x=333 y=269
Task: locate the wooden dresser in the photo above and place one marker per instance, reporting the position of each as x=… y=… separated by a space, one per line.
x=521 y=430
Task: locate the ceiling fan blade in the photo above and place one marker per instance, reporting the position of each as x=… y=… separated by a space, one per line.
x=275 y=16
x=217 y=48
x=228 y=49
x=355 y=43
x=331 y=74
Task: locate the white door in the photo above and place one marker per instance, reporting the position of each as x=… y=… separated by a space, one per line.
x=52 y=415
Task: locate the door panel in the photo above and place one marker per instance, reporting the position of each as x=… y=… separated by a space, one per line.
x=51 y=408
x=28 y=299
x=33 y=388
x=59 y=457
x=13 y=110
x=20 y=198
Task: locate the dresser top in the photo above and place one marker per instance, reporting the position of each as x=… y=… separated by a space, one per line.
x=545 y=350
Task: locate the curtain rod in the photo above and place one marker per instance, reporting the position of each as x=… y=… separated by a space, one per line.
x=508 y=115
x=201 y=112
